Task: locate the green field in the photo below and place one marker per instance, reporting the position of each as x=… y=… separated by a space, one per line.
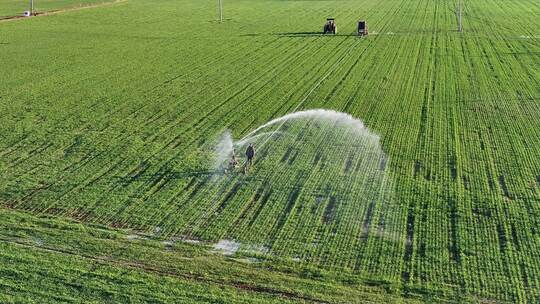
x=110 y=118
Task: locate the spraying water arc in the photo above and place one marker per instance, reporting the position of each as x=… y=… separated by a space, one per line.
x=315 y=163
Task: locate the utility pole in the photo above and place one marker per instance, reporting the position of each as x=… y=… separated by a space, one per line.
x=460 y=28
x=220 y=5
x=31 y=7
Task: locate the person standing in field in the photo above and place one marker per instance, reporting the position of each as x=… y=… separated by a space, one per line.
x=250 y=153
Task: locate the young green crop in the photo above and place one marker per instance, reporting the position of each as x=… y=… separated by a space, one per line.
x=110 y=116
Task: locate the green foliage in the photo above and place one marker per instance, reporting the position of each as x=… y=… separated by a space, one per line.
x=61 y=262
x=109 y=117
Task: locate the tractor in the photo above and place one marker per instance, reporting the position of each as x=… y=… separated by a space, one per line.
x=362 y=28
x=330 y=26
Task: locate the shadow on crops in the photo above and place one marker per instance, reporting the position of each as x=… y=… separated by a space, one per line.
x=169 y=175
x=298 y=34
x=311 y=34
x=115 y=180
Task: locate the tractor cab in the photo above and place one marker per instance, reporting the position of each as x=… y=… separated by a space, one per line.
x=362 y=28
x=330 y=26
